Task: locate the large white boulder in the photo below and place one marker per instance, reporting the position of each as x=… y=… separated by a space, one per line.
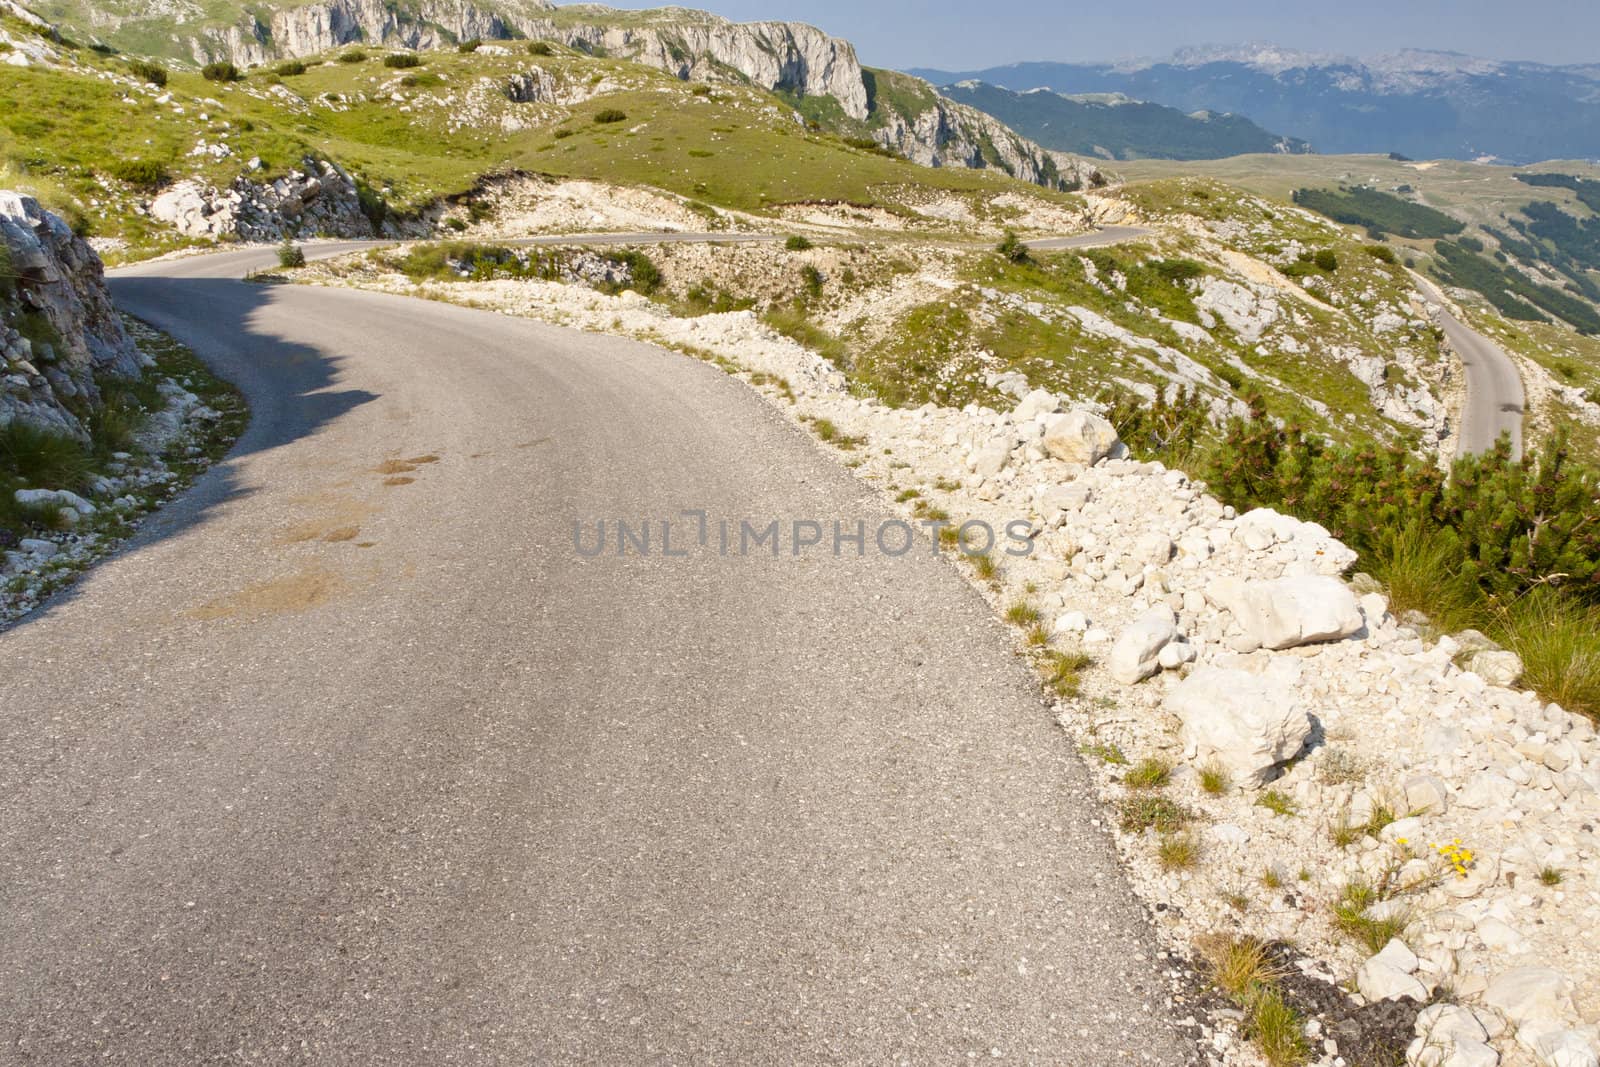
x=991 y=458
x=1449 y=1035
x=1566 y=1048
x=1530 y=994
x=1079 y=437
x=1137 y=653
x=1389 y=975
x=1286 y=612
x=1036 y=403
x=1496 y=666
x=1247 y=723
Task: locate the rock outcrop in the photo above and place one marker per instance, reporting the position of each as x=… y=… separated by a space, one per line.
x=790 y=56
x=58 y=330
x=326 y=24
x=321 y=200
x=948 y=134
x=1246 y=723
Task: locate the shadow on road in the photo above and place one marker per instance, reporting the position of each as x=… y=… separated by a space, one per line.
x=288 y=385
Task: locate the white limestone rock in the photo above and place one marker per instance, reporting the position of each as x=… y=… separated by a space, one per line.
x=1496 y=666
x=1530 y=994
x=1136 y=655
x=1292 y=611
x=1246 y=722
x=1079 y=437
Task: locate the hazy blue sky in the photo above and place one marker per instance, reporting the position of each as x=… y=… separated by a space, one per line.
x=969 y=35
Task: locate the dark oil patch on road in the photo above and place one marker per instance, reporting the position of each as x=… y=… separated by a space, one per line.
x=398 y=481
x=343 y=533
x=420 y=460
x=296 y=592
x=394 y=466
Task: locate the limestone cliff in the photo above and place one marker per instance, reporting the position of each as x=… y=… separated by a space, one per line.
x=689 y=44
x=947 y=134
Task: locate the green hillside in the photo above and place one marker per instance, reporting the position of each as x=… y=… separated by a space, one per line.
x=418 y=134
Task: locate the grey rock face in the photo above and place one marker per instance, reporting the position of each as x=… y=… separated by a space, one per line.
x=949 y=134
x=58 y=296
x=530 y=87
x=772 y=55
x=327 y=24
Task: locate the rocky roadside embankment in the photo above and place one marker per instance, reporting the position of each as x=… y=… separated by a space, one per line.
x=69 y=359
x=319 y=199
x=58 y=330
x=1281 y=757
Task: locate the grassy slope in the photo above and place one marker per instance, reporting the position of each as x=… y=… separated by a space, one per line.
x=736 y=147
x=938 y=350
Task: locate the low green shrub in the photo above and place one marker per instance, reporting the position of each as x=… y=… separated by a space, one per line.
x=641 y=268
x=797 y=243
x=445 y=259
x=468 y=47
x=812 y=279
x=293 y=68
x=291 y=255
x=540 y=48
x=355 y=55
x=1511 y=546
x=1012 y=248
x=610 y=115
x=220 y=72
x=402 y=60
x=144 y=173
x=153 y=73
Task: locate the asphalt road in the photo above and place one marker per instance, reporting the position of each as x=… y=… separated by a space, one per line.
x=1105 y=235
x=1495 y=400
x=351 y=760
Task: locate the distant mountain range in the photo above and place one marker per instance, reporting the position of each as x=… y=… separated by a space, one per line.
x=1420 y=104
x=1115 y=127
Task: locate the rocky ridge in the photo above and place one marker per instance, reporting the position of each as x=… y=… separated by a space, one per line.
x=1359 y=760
x=786 y=57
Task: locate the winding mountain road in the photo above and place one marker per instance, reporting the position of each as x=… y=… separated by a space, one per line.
x=1495 y=398
x=352 y=758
